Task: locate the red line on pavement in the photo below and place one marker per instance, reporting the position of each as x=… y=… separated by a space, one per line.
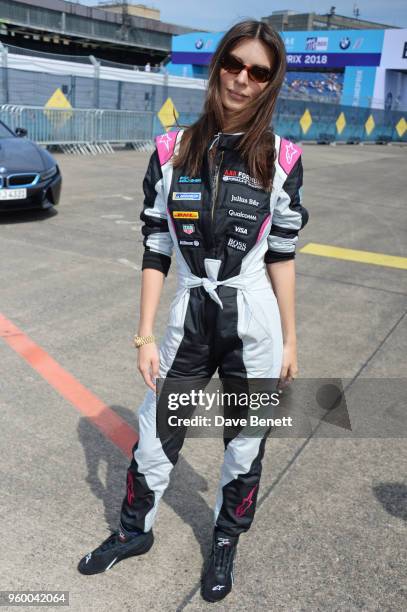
x=104 y=418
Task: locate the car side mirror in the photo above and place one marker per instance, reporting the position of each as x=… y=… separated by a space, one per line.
x=20 y=131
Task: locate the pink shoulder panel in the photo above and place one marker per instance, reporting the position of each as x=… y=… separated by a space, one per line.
x=289 y=154
x=165 y=145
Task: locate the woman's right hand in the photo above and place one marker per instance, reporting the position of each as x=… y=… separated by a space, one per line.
x=148 y=363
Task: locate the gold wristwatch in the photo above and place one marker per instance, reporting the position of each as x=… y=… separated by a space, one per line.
x=140 y=340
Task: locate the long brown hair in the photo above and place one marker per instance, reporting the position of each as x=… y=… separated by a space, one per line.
x=257 y=143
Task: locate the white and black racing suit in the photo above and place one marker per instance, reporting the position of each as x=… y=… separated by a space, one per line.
x=223 y=227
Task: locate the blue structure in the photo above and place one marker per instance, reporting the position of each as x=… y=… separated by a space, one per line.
x=361 y=68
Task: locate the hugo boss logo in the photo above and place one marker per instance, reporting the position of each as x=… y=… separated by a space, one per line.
x=239 y=245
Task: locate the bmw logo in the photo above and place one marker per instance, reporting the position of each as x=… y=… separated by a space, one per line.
x=345 y=43
x=199 y=43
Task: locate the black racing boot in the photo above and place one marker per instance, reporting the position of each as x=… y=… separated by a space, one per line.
x=217 y=578
x=119 y=545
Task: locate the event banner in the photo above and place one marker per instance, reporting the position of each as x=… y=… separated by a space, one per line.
x=307 y=49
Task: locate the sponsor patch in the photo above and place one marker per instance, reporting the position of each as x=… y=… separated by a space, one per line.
x=288 y=155
x=185 y=214
x=189 y=179
x=186 y=195
x=188 y=228
x=241 y=215
x=240 y=200
x=236 y=176
x=240 y=230
x=237 y=244
x=194 y=243
x=165 y=146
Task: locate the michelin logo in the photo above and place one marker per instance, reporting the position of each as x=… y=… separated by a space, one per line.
x=188 y=195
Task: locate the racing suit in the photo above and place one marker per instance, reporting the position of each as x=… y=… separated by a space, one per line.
x=223 y=227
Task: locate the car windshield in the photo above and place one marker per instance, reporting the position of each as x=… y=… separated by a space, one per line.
x=5 y=132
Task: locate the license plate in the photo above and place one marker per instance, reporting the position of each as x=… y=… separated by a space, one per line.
x=13 y=194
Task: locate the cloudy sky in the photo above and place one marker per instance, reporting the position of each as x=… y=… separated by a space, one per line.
x=218 y=15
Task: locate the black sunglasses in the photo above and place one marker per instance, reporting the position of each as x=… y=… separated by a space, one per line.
x=256 y=73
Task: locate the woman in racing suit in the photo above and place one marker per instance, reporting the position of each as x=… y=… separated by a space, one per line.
x=225 y=196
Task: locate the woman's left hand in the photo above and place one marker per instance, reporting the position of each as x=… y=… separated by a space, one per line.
x=289 y=368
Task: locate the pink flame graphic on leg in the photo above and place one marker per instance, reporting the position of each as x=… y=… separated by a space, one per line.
x=130 y=489
x=246 y=502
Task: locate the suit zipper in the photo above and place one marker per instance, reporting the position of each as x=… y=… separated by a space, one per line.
x=216 y=185
x=215 y=197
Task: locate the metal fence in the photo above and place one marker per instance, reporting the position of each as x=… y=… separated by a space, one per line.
x=295 y=120
x=307 y=120
x=79 y=126
x=303 y=120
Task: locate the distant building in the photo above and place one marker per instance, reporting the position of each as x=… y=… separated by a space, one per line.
x=292 y=20
x=136 y=10
x=120 y=32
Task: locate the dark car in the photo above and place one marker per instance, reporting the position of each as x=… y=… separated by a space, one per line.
x=29 y=175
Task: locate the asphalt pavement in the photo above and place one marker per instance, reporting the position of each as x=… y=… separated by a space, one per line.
x=330 y=530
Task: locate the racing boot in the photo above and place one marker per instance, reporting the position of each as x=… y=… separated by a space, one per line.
x=217 y=578
x=118 y=546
